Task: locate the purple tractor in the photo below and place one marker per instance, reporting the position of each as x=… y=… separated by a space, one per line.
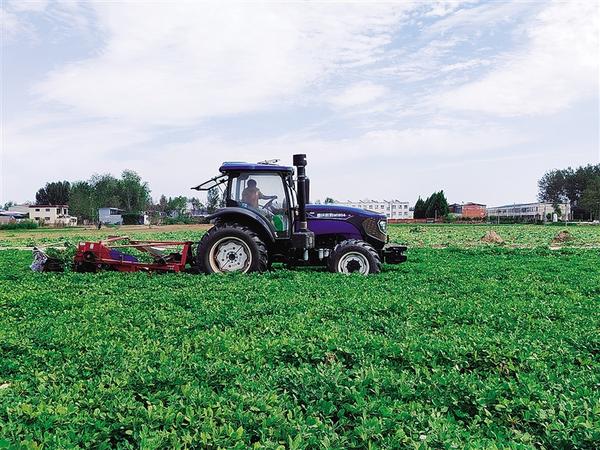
x=268 y=219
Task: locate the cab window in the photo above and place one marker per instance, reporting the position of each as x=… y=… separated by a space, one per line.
x=264 y=193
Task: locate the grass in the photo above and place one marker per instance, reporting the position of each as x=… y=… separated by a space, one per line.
x=473 y=347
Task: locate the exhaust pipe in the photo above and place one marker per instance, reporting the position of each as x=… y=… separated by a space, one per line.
x=300 y=163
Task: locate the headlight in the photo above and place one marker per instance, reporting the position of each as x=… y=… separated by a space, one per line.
x=376 y=228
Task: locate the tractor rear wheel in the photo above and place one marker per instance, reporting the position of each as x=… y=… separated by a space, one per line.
x=231 y=247
x=354 y=256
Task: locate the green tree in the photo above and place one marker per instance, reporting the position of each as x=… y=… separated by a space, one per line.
x=552 y=187
x=443 y=204
x=590 y=199
x=213 y=199
x=329 y=200
x=436 y=205
x=196 y=203
x=82 y=201
x=106 y=191
x=177 y=205
x=54 y=193
x=129 y=193
x=568 y=185
x=133 y=193
x=9 y=204
x=420 y=209
x=163 y=204
x=430 y=205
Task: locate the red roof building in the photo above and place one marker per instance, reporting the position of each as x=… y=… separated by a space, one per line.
x=473 y=211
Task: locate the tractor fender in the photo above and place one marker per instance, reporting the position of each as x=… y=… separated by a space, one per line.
x=248 y=217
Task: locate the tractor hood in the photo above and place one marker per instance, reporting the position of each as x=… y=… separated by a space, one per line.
x=332 y=210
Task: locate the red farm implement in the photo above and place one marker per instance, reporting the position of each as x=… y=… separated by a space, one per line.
x=110 y=254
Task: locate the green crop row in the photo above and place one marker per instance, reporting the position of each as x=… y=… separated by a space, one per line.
x=429 y=235
x=24 y=225
x=457 y=348
x=460 y=235
x=30 y=238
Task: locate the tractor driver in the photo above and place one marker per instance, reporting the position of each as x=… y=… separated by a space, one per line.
x=251 y=195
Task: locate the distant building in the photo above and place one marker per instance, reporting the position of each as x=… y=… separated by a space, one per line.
x=201 y=212
x=455 y=208
x=530 y=211
x=468 y=210
x=114 y=216
x=12 y=216
x=393 y=209
x=20 y=208
x=56 y=215
x=111 y=216
x=473 y=211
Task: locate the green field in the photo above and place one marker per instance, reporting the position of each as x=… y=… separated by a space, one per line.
x=471 y=346
x=442 y=235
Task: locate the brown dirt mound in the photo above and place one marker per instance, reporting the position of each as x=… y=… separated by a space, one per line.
x=563 y=236
x=491 y=237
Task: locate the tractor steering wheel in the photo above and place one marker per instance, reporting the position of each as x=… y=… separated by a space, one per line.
x=267 y=205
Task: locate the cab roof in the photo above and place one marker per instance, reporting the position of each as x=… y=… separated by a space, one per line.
x=253 y=167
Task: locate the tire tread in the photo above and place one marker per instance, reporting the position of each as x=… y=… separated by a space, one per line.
x=342 y=246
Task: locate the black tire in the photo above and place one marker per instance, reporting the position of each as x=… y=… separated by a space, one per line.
x=225 y=234
x=352 y=256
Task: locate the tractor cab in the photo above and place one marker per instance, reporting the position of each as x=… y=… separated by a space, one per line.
x=264 y=189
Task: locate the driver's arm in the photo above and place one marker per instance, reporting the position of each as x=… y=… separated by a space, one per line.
x=265 y=197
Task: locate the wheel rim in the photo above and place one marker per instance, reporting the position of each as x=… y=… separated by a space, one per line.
x=230 y=254
x=354 y=262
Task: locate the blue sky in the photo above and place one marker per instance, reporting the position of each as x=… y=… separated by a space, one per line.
x=388 y=100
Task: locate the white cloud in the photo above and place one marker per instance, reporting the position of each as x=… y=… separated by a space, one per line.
x=47 y=148
x=422 y=64
x=481 y=17
x=558 y=66
x=358 y=94
x=10 y=25
x=444 y=7
x=28 y=5
x=66 y=16
x=177 y=63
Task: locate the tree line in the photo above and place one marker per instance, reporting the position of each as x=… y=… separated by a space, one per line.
x=129 y=193
x=435 y=206
x=579 y=187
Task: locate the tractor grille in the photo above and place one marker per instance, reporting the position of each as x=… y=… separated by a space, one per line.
x=371 y=227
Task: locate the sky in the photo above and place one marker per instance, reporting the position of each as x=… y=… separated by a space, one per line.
x=388 y=100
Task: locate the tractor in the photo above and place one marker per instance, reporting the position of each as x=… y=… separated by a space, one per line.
x=267 y=218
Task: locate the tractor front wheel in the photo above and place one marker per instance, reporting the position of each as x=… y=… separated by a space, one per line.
x=231 y=247
x=354 y=256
